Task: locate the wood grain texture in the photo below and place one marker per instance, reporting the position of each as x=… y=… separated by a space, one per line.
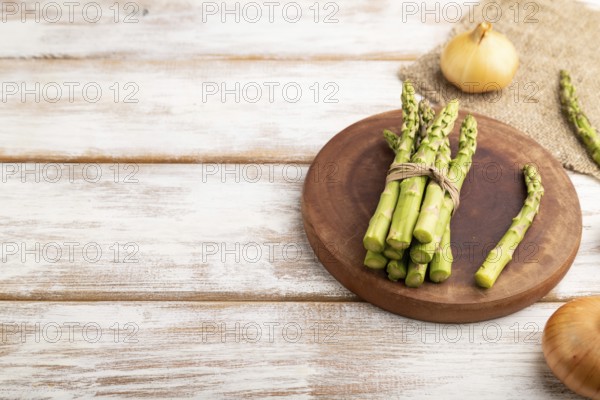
x=336 y=214
x=204 y=232
x=181 y=29
x=304 y=350
x=172 y=211
x=183 y=231
x=184 y=29
x=173 y=121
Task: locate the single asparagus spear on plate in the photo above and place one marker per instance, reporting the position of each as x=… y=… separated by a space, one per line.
x=403 y=146
x=570 y=105
x=411 y=189
x=457 y=173
x=501 y=255
x=440 y=267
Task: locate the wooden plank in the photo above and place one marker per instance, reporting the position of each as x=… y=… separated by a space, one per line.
x=198 y=232
x=180 y=233
x=182 y=29
x=176 y=119
x=167 y=29
x=258 y=350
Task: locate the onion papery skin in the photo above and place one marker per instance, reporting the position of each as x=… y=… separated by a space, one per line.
x=571 y=345
x=479 y=61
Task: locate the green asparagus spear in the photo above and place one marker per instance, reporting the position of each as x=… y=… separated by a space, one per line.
x=379 y=225
x=457 y=173
x=570 y=105
x=396 y=269
x=392 y=253
x=501 y=255
x=411 y=190
x=426 y=117
x=441 y=264
x=415 y=275
x=375 y=260
x=422 y=253
x=434 y=196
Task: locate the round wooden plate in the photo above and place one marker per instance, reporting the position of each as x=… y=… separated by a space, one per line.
x=342 y=189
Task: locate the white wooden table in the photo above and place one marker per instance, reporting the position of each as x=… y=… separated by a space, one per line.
x=152 y=246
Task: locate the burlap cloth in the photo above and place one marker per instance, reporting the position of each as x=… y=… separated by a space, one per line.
x=562 y=34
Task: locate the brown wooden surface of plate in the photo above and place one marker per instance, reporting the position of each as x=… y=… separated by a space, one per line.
x=342 y=189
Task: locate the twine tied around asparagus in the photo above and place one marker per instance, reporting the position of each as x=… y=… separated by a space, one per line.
x=398 y=172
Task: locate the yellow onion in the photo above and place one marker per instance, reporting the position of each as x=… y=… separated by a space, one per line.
x=482 y=60
x=571 y=344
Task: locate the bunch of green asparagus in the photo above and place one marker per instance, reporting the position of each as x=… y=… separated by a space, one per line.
x=409 y=232
x=410 y=229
